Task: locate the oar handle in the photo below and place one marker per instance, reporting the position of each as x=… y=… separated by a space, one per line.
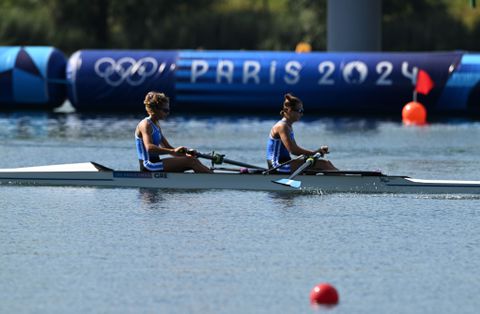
x=215 y=158
x=311 y=159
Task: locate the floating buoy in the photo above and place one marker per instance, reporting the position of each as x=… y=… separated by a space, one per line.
x=303 y=47
x=414 y=113
x=324 y=293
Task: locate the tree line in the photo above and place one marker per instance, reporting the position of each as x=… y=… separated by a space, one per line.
x=70 y=25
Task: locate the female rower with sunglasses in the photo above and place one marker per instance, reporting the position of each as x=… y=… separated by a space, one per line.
x=151 y=143
x=281 y=142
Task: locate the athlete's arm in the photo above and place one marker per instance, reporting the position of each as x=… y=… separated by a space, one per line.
x=145 y=129
x=176 y=151
x=283 y=130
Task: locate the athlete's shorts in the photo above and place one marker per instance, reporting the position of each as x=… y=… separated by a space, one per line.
x=147 y=165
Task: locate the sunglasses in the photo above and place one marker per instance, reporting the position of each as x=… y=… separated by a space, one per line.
x=298 y=110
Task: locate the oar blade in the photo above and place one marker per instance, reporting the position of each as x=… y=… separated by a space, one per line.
x=288 y=182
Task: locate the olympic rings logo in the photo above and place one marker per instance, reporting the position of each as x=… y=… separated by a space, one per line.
x=126 y=69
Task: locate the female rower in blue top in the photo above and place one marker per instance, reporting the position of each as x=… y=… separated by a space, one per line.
x=281 y=142
x=151 y=143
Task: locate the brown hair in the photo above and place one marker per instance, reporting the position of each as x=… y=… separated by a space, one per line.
x=155 y=100
x=289 y=101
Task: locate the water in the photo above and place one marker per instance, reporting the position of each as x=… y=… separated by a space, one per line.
x=79 y=250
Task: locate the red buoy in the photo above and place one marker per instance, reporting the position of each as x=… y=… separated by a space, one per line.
x=414 y=113
x=324 y=293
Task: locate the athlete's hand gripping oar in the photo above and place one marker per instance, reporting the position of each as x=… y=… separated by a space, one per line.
x=282 y=164
x=296 y=184
x=219 y=159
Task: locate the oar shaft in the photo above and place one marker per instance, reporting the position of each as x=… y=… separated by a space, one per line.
x=308 y=163
x=296 y=184
x=241 y=164
x=300 y=169
x=219 y=159
x=282 y=164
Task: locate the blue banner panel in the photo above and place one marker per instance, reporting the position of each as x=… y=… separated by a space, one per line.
x=326 y=82
x=32 y=77
x=117 y=80
x=255 y=81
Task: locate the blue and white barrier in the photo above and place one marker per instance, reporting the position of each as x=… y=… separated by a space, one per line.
x=31 y=77
x=251 y=81
x=118 y=80
x=255 y=81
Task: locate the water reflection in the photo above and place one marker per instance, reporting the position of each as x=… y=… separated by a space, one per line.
x=157 y=195
x=28 y=125
x=283 y=200
x=150 y=196
x=23 y=125
x=31 y=124
x=349 y=125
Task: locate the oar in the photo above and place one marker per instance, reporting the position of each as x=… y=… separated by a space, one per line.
x=219 y=159
x=282 y=164
x=296 y=184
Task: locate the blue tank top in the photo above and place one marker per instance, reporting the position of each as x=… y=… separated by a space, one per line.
x=276 y=151
x=156 y=138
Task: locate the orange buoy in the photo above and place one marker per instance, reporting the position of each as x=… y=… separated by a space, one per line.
x=324 y=293
x=303 y=47
x=414 y=113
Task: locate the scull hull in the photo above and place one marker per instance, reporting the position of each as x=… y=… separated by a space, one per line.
x=90 y=174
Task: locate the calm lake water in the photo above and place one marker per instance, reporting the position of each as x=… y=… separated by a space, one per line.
x=93 y=250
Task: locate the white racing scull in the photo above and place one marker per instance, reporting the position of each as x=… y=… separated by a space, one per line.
x=96 y=175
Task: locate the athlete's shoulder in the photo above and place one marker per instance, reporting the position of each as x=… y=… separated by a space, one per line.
x=144 y=124
x=282 y=125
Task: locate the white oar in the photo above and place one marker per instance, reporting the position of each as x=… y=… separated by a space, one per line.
x=282 y=164
x=293 y=183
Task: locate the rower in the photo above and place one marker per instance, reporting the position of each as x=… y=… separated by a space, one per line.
x=281 y=142
x=151 y=143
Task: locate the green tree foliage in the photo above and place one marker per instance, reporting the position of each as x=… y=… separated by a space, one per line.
x=163 y=24
x=225 y=24
x=422 y=25
x=24 y=21
x=79 y=23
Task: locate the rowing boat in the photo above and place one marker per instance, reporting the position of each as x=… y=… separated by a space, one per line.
x=96 y=175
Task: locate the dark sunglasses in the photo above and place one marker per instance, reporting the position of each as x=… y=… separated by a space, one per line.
x=298 y=110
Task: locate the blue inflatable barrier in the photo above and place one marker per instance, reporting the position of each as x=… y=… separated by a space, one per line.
x=32 y=77
x=118 y=80
x=255 y=81
x=326 y=82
